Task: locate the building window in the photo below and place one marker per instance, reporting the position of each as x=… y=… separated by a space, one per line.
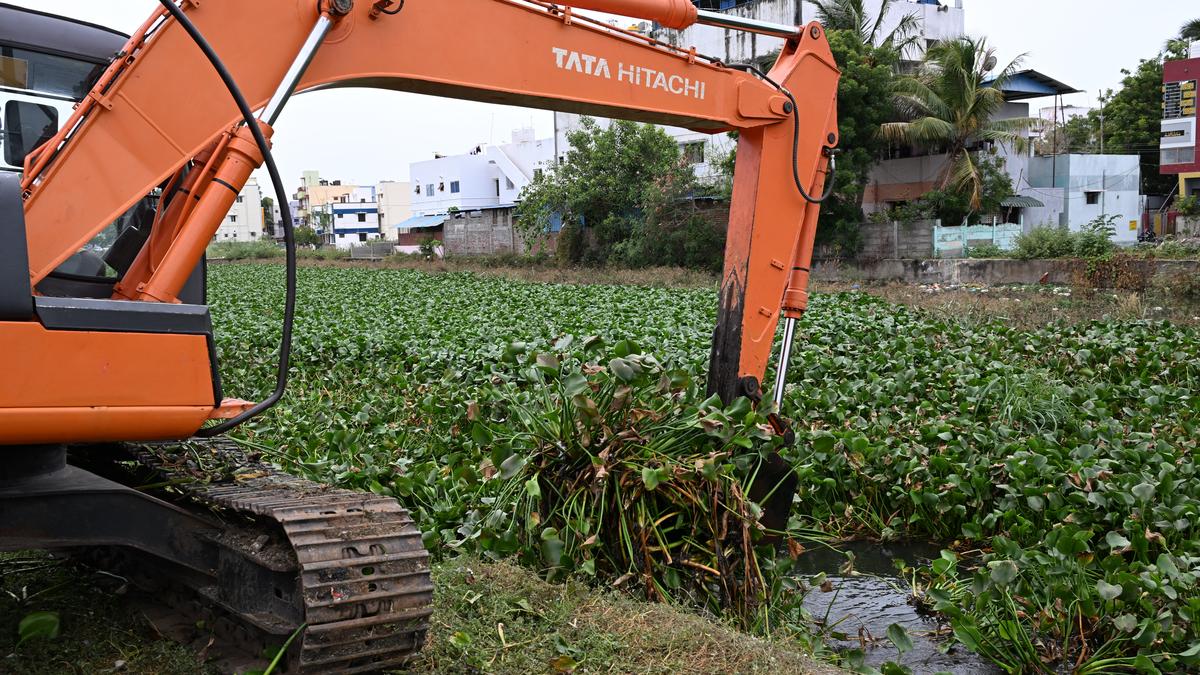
x=429 y=190
x=239 y=199
x=693 y=153
x=1178 y=156
x=362 y=217
x=497 y=182
x=508 y=184
x=341 y=215
x=1092 y=196
x=362 y=236
x=232 y=218
x=454 y=187
x=344 y=199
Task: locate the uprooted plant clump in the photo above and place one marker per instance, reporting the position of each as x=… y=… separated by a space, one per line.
x=620 y=469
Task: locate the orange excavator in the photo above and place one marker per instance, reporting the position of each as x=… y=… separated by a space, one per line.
x=108 y=342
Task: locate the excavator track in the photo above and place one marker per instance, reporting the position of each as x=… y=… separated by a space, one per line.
x=361 y=571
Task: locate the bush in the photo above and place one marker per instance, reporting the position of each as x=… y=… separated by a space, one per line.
x=987 y=251
x=1093 y=241
x=1044 y=242
x=245 y=250
x=1188 y=206
x=329 y=253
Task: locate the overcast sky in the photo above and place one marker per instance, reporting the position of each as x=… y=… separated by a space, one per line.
x=1083 y=43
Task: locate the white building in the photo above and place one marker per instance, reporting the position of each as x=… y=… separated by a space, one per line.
x=395 y=206
x=1077 y=189
x=485 y=177
x=244 y=222
x=939 y=20
x=354 y=218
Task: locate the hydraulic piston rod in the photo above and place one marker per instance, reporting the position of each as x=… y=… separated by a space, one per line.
x=779 y=30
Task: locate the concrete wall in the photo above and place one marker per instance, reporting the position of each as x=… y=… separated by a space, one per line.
x=897 y=240
x=482 y=233
x=986 y=272
x=1186 y=226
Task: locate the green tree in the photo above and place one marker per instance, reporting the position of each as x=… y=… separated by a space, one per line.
x=852 y=16
x=601 y=188
x=864 y=103
x=306 y=236
x=1132 y=121
x=951 y=106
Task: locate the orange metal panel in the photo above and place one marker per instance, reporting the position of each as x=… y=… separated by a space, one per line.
x=43 y=426
x=67 y=369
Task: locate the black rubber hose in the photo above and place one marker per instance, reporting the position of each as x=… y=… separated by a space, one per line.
x=289 y=233
x=829 y=179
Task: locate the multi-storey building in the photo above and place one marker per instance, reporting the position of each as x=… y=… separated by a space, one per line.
x=245 y=221
x=352 y=219
x=315 y=192
x=1177 y=147
x=395 y=206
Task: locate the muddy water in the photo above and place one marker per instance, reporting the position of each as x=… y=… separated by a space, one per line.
x=859 y=608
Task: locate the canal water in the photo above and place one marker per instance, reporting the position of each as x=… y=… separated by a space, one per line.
x=859 y=606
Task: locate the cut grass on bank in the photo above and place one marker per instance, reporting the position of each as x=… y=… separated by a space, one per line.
x=488 y=617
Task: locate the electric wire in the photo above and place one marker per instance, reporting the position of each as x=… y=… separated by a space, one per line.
x=289 y=235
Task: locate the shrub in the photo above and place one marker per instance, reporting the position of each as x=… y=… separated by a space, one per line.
x=1044 y=242
x=987 y=251
x=245 y=250
x=1188 y=206
x=1095 y=239
x=328 y=253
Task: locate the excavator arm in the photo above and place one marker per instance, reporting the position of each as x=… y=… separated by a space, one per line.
x=161 y=117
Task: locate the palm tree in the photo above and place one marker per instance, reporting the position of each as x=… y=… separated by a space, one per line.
x=951 y=104
x=1190 y=31
x=851 y=15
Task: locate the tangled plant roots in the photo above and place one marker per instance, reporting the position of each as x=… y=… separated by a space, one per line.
x=622 y=472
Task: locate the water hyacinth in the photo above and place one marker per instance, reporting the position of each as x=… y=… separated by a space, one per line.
x=625 y=472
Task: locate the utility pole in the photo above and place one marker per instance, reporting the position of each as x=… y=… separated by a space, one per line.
x=1104 y=168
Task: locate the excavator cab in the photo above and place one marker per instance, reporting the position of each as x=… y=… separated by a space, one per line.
x=112 y=379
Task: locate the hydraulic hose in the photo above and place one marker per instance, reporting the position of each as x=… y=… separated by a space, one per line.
x=830 y=152
x=289 y=233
